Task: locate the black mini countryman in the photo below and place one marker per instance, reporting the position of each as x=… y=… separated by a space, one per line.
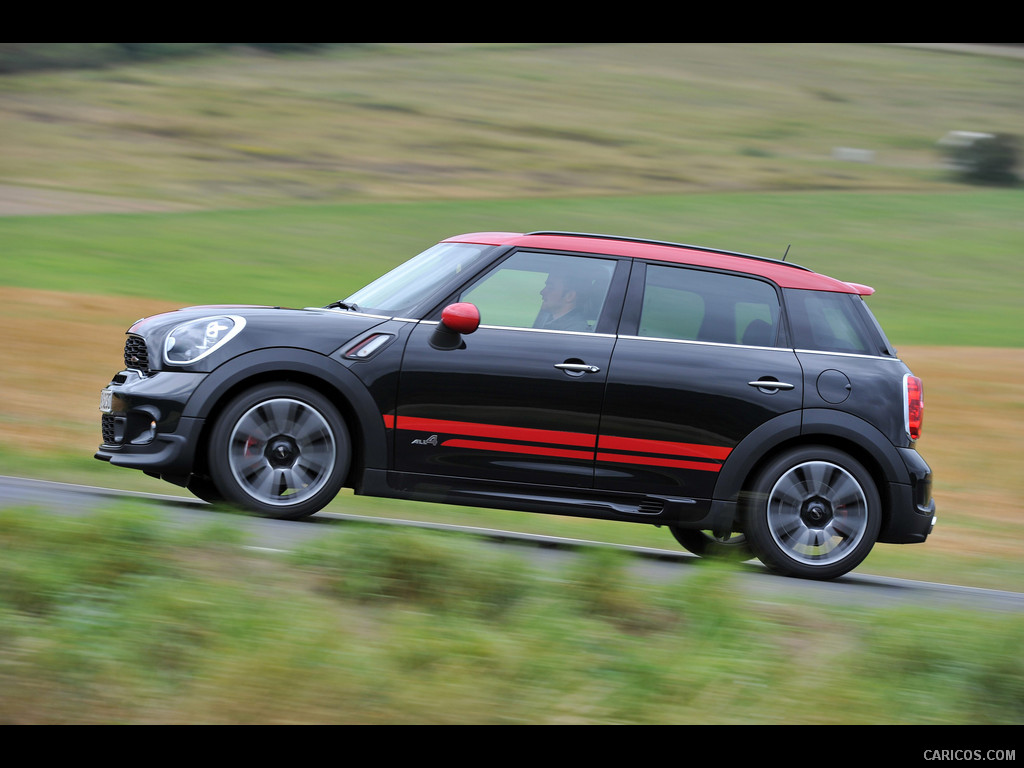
x=747 y=404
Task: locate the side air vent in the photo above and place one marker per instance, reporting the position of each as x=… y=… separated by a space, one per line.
x=651 y=507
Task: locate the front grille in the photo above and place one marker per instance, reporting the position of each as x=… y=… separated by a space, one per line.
x=136 y=355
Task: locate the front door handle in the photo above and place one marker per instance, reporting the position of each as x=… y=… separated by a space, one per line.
x=577 y=368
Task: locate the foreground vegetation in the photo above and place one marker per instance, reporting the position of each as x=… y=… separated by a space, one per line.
x=119 y=618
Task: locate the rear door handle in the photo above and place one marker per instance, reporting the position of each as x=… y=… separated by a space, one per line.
x=770 y=384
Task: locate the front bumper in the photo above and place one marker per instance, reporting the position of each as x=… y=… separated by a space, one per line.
x=142 y=423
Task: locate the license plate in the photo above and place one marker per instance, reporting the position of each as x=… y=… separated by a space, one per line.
x=106 y=400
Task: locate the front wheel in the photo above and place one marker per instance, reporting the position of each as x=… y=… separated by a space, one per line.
x=205 y=489
x=813 y=512
x=281 y=450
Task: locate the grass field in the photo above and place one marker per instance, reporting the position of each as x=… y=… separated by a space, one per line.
x=955 y=324
x=294 y=180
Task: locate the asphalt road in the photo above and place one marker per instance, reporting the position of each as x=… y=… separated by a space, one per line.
x=854 y=589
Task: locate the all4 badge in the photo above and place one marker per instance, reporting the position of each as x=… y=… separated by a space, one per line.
x=432 y=440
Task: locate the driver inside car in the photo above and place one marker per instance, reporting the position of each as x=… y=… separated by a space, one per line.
x=561 y=303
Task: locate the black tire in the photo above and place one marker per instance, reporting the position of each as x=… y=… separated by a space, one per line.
x=813 y=512
x=280 y=450
x=706 y=544
x=204 y=488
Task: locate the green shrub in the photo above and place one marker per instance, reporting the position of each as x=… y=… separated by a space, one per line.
x=986 y=159
x=415 y=567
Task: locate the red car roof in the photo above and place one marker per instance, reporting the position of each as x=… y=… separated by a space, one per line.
x=780 y=272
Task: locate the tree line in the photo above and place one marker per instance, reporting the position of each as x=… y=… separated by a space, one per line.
x=22 y=57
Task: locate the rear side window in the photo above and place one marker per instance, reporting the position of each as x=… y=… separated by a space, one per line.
x=694 y=305
x=833 y=322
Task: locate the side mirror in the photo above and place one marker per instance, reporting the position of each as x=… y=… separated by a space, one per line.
x=456 y=320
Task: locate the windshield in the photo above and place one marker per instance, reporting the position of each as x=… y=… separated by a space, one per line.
x=437 y=270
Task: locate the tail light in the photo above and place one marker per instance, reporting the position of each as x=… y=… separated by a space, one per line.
x=913 y=412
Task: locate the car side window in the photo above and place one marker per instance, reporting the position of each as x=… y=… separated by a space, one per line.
x=538 y=290
x=696 y=305
x=832 y=322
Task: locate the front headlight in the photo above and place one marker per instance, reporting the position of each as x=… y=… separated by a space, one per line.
x=196 y=339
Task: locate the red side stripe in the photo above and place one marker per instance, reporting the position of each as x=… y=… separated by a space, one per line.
x=667 y=450
x=655 y=461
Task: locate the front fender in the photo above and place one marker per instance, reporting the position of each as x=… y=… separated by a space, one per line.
x=286 y=363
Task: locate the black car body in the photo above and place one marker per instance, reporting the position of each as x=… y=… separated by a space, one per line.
x=739 y=401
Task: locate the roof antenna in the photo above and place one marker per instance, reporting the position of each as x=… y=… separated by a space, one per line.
x=787 y=252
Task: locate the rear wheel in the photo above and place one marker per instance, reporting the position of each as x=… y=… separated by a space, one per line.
x=281 y=450
x=814 y=513
x=706 y=544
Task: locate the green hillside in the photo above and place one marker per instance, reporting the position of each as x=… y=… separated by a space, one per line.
x=500 y=120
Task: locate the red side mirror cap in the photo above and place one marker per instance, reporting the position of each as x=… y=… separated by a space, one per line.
x=461 y=318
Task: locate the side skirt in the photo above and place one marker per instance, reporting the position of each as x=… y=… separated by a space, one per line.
x=634 y=508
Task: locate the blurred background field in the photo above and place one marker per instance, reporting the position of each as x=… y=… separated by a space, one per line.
x=501 y=121
x=255 y=175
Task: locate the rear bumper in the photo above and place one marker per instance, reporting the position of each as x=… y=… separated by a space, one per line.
x=911 y=509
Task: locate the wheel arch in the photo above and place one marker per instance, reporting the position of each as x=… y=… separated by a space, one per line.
x=342 y=387
x=838 y=430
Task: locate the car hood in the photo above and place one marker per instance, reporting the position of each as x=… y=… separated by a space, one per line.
x=315 y=329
